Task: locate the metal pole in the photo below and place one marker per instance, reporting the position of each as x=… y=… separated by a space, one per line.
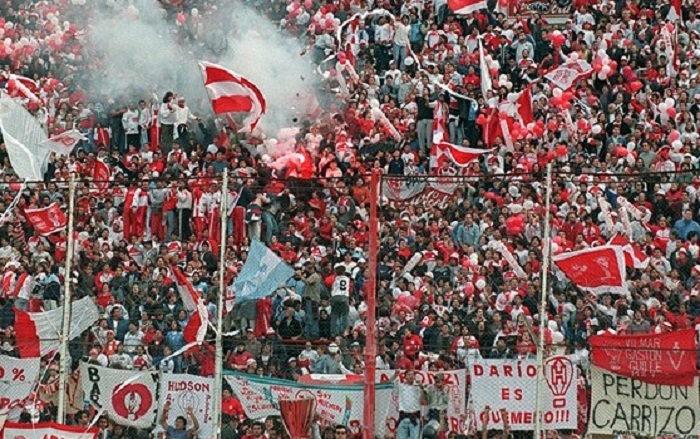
x=64 y=335
x=218 y=371
x=371 y=346
x=543 y=304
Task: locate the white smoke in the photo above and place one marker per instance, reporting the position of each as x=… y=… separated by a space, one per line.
x=140 y=52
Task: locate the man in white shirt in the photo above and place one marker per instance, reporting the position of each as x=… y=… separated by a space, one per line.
x=401 y=41
x=130 y=123
x=411 y=396
x=183 y=116
x=145 y=119
x=340 y=298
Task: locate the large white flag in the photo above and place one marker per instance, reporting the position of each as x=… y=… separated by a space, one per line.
x=48 y=430
x=23 y=134
x=129 y=397
x=184 y=391
x=63 y=143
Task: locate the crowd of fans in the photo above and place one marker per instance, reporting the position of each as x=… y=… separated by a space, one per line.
x=460 y=301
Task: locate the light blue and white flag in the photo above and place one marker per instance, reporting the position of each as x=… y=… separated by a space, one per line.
x=262 y=274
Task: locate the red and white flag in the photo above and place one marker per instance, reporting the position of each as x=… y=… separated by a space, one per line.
x=519 y=107
x=458 y=155
x=230 y=92
x=196 y=327
x=37 y=333
x=484 y=72
x=566 y=75
x=48 y=430
x=440 y=117
x=48 y=220
x=466 y=6
x=634 y=256
x=63 y=143
x=598 y=270
x=22 y=87
x=674 y=12
x=101 y=174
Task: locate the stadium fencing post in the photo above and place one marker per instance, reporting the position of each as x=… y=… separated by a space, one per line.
x=546 y=259
x=64 y=335
x=220 y=308
x=371 y=291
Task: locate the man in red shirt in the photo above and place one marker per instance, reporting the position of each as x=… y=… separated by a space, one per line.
x=230 y=405
x=238 y=359
x=412 y=343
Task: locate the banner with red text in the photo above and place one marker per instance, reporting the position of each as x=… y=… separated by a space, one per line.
x=47 y=430
x=335 y=404
x=184 y=391
x=669 y=358
x=47 y=220
x=622 y=405
x=17 y=378
x=511 y=384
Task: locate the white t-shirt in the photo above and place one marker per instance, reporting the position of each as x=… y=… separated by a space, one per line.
x=409 y=397
x=341 y=286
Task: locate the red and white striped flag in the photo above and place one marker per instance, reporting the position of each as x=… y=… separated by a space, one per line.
x=63 y=143
x=441 y=114
x=466 y=6
x=230 y=92
x=22 y=87
x=674 y=12
x=196 y=327
x=37 y=333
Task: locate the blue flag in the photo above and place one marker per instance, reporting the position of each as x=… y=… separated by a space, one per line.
x=262 y=274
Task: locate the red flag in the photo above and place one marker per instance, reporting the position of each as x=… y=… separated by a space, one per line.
x=457 y=155
x=101 y=174
x=665 y=359
x=598 y=269
x=232 y=93
x=524 y=103
x=45 y=430
x=466 y=6
x=21 y=86
x=196 y=327
x=48 y=220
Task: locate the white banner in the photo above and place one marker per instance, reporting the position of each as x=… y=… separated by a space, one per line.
x=455 y=381
x=340 y=404
x=511 y=384
x=48 y=430
x=17 y=378
x=129 y=397
x=622 y=405
x=183 y=391
x=63 y=143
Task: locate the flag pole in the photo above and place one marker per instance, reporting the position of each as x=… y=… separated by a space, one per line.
x=546 y=260
x=218 y=371
x=64 y=334
x=371 y=345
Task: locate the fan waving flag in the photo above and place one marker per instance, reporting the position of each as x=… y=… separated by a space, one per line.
x=598 y=269
x=458 y=155
x=47 y=221
x=566 y=75
x=63 y=143
x=466 y=6
x=196 y=327
x=262 y=274
x=230 y=92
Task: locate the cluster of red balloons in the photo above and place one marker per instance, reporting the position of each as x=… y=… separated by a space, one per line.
x=556 y=38
x=561 y=99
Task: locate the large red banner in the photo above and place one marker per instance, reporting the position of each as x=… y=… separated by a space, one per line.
x=666 y=359
x=598 y=269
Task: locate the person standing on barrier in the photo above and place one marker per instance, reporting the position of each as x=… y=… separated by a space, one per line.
x=437 y=398
x=340 y=296
x=411 y=396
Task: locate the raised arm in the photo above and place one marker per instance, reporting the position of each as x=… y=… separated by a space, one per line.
x=164 y=416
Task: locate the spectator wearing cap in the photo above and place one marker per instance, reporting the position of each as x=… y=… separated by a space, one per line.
x=238 y=359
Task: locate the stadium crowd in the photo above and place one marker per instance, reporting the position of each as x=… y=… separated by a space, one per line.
x=460 y=300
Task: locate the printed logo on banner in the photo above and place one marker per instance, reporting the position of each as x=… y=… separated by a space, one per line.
x=559 y=372
x=188 y=391
x=132 y=401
